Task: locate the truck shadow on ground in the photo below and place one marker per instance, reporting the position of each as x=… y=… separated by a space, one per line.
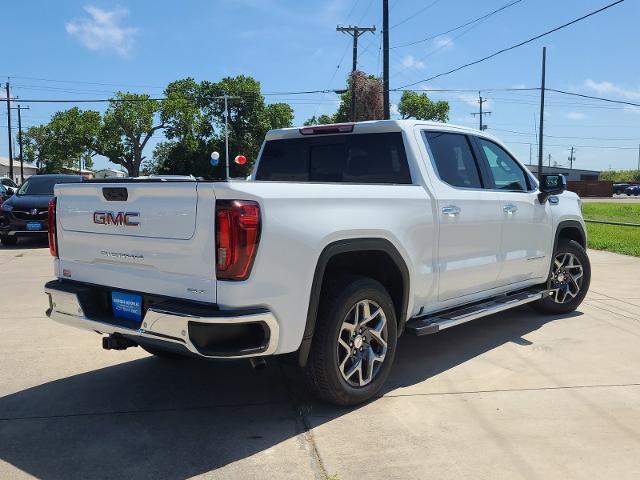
x=28 y=243
x=151 y=418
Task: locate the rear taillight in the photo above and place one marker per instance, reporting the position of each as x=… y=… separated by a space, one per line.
x=53 y=238
x=237 y=237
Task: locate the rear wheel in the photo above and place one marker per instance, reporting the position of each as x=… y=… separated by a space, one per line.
x=354 y=343
x=569 y=279
x=7 y=240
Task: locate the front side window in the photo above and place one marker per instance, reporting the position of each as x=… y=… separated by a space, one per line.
x=454 y=159
x=507 y=174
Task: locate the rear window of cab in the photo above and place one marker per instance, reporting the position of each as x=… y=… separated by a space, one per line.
x=378 y=158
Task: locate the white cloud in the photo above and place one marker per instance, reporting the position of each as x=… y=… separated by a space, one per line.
x=410 y=62
x=393 y=109
x=575 y=115
x=103 y=30
x=472 y=100
x=610 y=88
x=442 y=42
x=632 y=109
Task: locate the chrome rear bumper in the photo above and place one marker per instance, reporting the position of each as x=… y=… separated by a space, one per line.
x=169 y=324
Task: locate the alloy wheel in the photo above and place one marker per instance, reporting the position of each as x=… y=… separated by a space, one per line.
x=566 y=278
x=362 y=343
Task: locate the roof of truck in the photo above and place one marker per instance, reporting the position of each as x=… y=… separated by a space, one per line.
x=377 y=126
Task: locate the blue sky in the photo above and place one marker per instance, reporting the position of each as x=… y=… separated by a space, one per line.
x=292 y=46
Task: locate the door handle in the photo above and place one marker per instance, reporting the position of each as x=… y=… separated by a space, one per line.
x=510 y=208
x=451 y=210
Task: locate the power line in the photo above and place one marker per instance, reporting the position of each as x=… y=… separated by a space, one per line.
x=85 y=83
x=606 y=147
x=568 y=137
x=424 y=9
x=447 y=42
x=623 y=102
x=512 y=47
x=458 y=27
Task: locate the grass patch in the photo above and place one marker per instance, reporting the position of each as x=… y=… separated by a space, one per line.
x=612 y=212
x=614 y=238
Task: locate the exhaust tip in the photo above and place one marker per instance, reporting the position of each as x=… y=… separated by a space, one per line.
x=258 y=363
x=117 y=342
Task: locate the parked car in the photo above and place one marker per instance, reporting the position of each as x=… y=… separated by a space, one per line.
x=632 y=190
x=25 y=212
x=9 y=185
x=619 y=188
x=344 y=237
x=4 y=193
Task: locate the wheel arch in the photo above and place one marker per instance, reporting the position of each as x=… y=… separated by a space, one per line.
x=569 y=229
x=572 y=230
x=351 y=247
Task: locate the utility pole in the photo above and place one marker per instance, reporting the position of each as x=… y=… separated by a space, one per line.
x=639 y=157
x=19 y=108
x=385 y=59
x=481 y=113
x=9 y=131
x=355 y=32
x=540 y=141
x=549 y=162
x=571 y=159
x=226 y=132
x=226 y=136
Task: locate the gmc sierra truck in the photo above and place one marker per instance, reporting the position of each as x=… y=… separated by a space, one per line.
x=343 y=238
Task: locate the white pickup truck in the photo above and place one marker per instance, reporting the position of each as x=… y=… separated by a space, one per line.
x=344 y=237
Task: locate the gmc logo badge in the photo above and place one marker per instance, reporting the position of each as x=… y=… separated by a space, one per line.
x=128 y=219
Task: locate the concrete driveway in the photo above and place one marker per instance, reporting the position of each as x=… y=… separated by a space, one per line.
x=512 y=396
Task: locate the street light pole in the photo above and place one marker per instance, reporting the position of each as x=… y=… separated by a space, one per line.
x=19 y=108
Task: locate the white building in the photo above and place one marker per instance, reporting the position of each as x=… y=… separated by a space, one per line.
x=29 y=169
x=109 y=173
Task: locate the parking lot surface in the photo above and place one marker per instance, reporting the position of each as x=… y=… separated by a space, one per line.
x=515 y=395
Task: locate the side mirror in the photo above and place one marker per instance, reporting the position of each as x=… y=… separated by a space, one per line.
x=551 y=185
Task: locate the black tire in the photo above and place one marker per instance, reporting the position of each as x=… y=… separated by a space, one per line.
x=549 y=305
x=6 y=240
x=163 y=354
x=322 y=371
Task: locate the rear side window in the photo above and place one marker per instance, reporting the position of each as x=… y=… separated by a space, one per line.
x=454 y=159
x=361 y=158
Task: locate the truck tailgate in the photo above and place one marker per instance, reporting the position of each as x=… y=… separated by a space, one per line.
x=139 y=236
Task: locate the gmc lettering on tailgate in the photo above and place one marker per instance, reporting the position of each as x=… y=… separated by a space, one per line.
x=128 y=219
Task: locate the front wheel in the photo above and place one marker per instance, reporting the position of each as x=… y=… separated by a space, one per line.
x=354 y=343
x=569 y=279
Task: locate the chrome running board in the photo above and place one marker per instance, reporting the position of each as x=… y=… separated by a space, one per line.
x=433 y=323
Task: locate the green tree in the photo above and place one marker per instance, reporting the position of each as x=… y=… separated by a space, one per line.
x=421 y=107
x=196 y=127
x=320 y=120
x=621 y=176
x=127 y=126
x=64 y=141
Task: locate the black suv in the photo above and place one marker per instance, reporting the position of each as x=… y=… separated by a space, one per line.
x=26 y=213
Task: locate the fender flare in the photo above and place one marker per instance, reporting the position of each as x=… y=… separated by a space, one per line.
x=344 y=246
x=564 y=225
